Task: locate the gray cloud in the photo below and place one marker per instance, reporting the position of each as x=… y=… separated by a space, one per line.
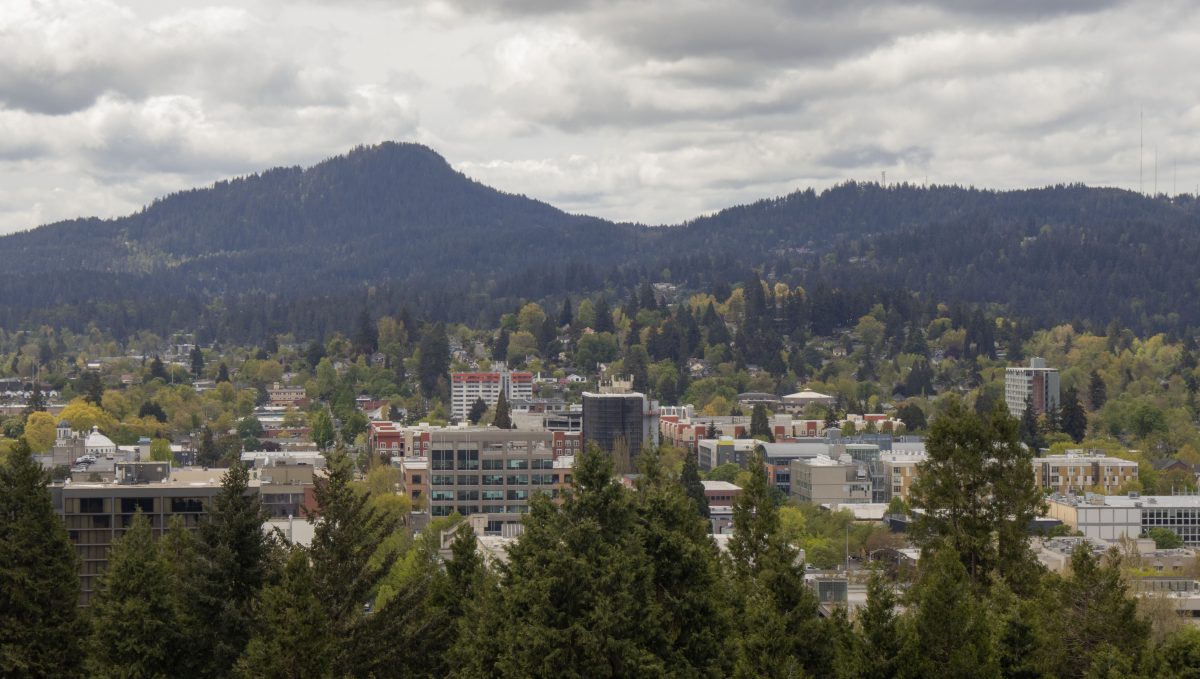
x=653 y=112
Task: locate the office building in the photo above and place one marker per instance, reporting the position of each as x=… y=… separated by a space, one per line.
x=621 y=418
x=823 y=480
x=1035 y=382
x=1079 y=471
x=1113 y=517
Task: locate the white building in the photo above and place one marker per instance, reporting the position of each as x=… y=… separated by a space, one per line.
x=1112 y=517
x=1036 y=382
x=466 y=388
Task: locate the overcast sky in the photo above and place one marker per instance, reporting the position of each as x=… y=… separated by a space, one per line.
x=640 y=111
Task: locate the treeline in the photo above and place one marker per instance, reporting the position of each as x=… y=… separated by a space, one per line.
x=298 y=250
x=612 y=582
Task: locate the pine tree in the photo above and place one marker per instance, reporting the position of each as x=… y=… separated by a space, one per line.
x=604 y=321
x=234 y=559
x=478 y=408
x=222 y=373
x=158 y=371
x=582 y=586
x=880 y=630
x=366 y=334
x=293 y=636
x=502 y=418
x=434 y=353
x=197 y=361
x=944 y=599
x=1097 y=391
x=760 y=426
x=39 y=584
x=566 y=317
x=692 y=485
x=91 y=388
x=1031 y=433
x=1073 y=418
x=135 y=632
x=780 y=634
x=349 y=553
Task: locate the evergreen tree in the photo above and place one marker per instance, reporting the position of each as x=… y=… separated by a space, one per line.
x=39 y=585
x=314 y=353
x=349 y=552
x=293 y=637
x=581 y=584
x=977 y=492
x=37 y=399
x=434 y=364
x=1093 y=609
x=135 y=632
x=566 y=317
x=604 y=320
x=197 y=361
x=91 y=388
x=692 y=485
x=760 y=426
x=1031 y=433
x=366 y=334
x=779 y=632
x=157 y=370
x=233 y=561
x=880 y=630
x=944 y=599
x=222 y=373
x=502 y=418
x=710 y=432
x=1074 y=419
x=478 y=408
x=1097 y=391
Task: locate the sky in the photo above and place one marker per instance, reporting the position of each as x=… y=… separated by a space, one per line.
x=654 y=112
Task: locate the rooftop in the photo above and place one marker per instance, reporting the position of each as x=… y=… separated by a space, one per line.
x=720 y=486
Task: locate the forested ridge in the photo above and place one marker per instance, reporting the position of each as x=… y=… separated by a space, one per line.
x=300 y=250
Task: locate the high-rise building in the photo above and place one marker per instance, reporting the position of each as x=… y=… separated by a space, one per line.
x=466 y=388
x=1036 y=382
x=619 y=421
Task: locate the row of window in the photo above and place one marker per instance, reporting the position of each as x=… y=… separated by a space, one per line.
x=466 y=510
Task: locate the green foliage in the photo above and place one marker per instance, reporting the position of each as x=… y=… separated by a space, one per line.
x=135 y=631
x=945 y=599
x=321 y=425
x=39 y=587
x=478 y=408
x=293 y=636
x=502 y=419
x=1164 y=538
x=692 y=485
x=760 y=426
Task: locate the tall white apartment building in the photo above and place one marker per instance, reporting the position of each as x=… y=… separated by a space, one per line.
x=465 y=388
x=1035 y=381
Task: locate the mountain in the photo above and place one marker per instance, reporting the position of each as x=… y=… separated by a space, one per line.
x=303 y=250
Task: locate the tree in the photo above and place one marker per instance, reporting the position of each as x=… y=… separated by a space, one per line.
x=39 y=584
x=1073 y=418
x=880 y=630
x=478 y=408
x=779 y=632
x=912 y=416
x=321 y=425
x=197 y=361
x=366 y=335
x=160 y=451
x=582 y=585
x=40 y=432
x=692 y=485
x=502 y=419
x=134 y=628
x=434 y=363
x=37 y=400
x=760 y=426
x=233 y=560
x=565 y=317
x=350 y=553
x=293 y=637
x=1097 y=391
x=222 y=373
x=1031 y=433
x=977 y=493
x=1164 y=538
x=90 y=387
x=158 y=371
x=944 y=599
x=152 y=409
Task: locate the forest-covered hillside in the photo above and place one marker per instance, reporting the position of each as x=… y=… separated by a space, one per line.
x=303 y=250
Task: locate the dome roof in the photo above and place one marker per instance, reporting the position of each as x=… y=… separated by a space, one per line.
x=98 y=440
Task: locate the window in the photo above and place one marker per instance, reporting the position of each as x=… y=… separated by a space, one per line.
x=190 y=505
x=493 y=464
x=91 y=505
x=518 y=495
x=442 y=460
x=518 y=463
x=442 y=495
x=518 y=479
x=468 y=480
x=493 y=495
x=493 y=480
x=416 y=479
x=129 y=505
x=468 y=459
x=467 y=495
x=102 y=521
x=443 y=479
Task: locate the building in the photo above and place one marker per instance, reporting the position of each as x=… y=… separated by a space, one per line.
x=899 y=472
x=282 y=396
x=721 y=493
x=1080 y=471
x=800 y=400
x=484 y=471
x=466 y=388
x=1113 y=517
x=712 y=453
x=823 y=480
x=1036 y=382
x=624 y=419
x=95 y=514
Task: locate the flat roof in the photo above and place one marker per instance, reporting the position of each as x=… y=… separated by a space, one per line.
x=720 y=485
x=1145 y=501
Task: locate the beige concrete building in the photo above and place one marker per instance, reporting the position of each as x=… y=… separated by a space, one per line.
x=1080 y=471
x=822 y=480
x=899 y=472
